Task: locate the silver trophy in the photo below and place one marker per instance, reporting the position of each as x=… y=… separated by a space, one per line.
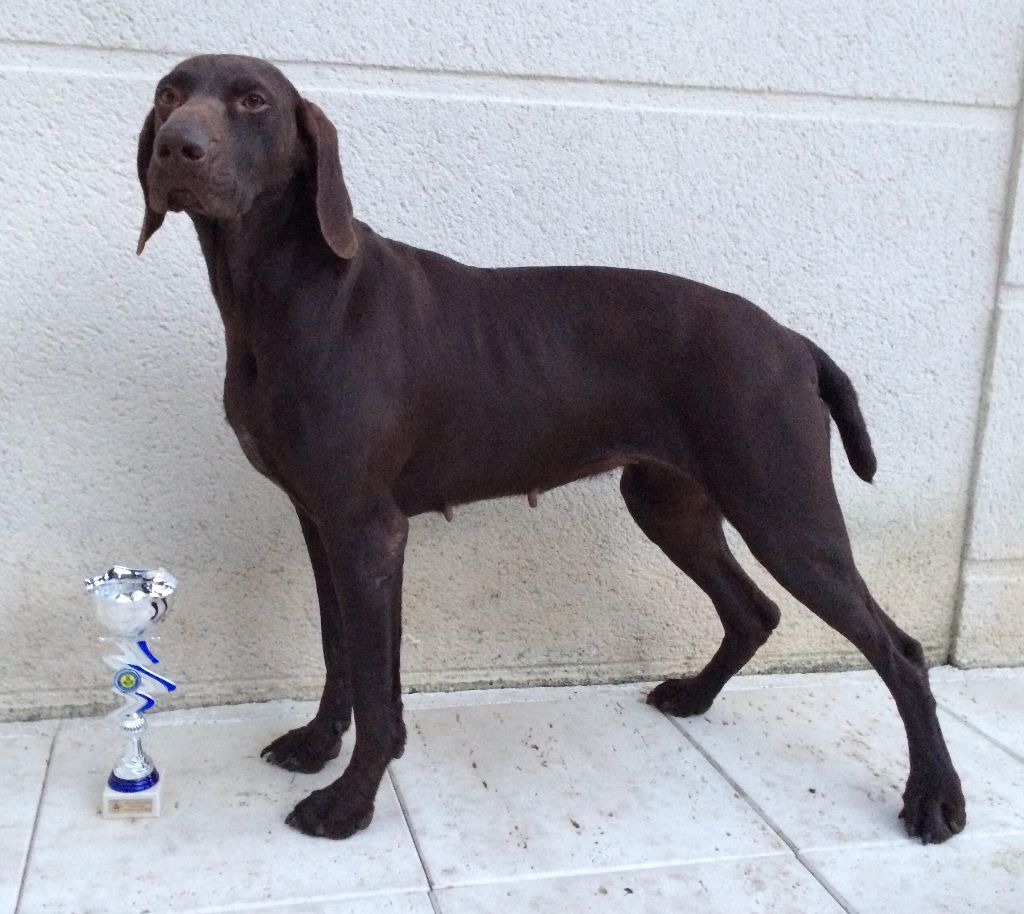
x=130 y=602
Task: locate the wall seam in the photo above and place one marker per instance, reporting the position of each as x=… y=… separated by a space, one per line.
x=1013 y=187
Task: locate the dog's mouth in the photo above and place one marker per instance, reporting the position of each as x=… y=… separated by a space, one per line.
x=207 y=188
x=200 y=199
x=184 y=199
x=208 y=195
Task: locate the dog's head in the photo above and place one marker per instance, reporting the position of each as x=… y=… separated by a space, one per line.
x=225 y=130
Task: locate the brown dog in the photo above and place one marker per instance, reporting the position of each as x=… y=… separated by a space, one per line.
x=373 y=381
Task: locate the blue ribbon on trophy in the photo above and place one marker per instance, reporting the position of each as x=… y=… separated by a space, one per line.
x=129 y=603
x=132 y=673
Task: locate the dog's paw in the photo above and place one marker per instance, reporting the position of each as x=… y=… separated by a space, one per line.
x=680 y=697
x=333 y=812
x=933 y=807
x=306 y=749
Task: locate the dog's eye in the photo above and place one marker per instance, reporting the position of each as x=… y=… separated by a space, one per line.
x=167 y=96
x=253 y=101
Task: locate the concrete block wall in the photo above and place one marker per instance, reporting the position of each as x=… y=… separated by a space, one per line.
x=848 y=166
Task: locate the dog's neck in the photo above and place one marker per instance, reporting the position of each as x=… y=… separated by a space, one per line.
x=260 y=263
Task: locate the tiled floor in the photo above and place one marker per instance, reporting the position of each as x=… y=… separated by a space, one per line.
x=783 y=798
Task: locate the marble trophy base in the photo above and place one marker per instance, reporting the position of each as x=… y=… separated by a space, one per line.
x=139 y=804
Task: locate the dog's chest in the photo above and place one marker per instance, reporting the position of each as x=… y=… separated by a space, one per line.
x=250 y=414
x=250 y=447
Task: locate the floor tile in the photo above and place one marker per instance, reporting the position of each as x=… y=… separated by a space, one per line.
x=23 y=763
x=29 y=728
x=991 y=700
x=966 y=875
x=762 y=885
x=828 y=765
x=221 y=838
x=564 y=786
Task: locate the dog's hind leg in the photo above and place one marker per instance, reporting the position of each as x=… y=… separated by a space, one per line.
x=784 y=505
x=679 y=517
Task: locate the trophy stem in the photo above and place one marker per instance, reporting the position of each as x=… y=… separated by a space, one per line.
x=135 y=771
x=135 y=737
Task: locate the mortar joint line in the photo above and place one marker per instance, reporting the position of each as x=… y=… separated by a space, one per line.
x=455 y=73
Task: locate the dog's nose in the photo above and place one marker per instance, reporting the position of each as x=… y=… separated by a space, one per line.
x=183 y=143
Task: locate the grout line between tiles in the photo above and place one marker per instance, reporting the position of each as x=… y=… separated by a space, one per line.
x=412 y=832
x=825 y=884
x=602 y=870
x=35 y=820
x=502 y=702
x=434 y=904
x=244 y=907
x=963 y=839
x=972 y=726
x=760 y=812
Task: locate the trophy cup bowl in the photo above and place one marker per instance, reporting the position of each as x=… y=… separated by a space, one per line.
x=129 y=602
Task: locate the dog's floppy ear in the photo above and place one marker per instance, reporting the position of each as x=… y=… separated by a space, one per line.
x=153 y=220
x=333 y=206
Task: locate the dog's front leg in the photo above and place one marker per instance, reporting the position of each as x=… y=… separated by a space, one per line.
x=309 y=748
x=365 y=559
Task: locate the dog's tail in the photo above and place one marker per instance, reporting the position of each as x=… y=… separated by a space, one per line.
x=837 y=391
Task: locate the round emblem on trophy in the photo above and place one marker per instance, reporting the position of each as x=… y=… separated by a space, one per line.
x=127 y=680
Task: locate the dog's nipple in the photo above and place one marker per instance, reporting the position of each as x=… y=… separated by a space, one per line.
x=532 y=497
x=449 y=513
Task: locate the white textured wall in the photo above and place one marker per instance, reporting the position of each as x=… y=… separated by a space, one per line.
x=849 y=166
x=990 y=620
